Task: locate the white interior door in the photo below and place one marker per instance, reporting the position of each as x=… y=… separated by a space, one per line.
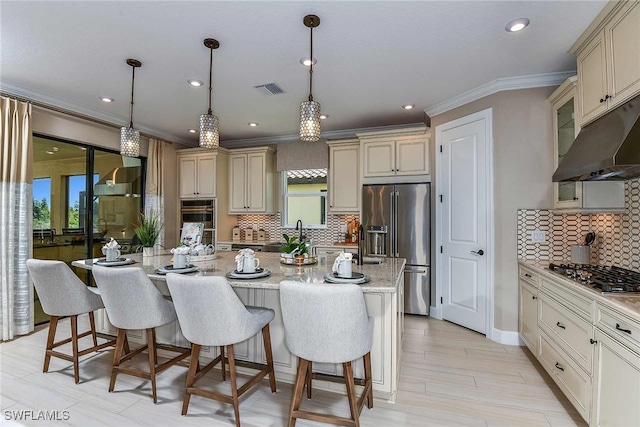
x=463 y=182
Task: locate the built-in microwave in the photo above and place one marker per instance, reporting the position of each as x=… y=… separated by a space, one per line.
x=203 y=211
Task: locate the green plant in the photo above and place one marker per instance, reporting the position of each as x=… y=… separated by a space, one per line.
x=148 y=229
x=290 y=244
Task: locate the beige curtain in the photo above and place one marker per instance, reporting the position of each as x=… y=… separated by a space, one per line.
x=154 y=192
x=16 y=217
x=302 y=155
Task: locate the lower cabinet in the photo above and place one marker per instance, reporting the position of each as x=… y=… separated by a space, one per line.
x=528 y=319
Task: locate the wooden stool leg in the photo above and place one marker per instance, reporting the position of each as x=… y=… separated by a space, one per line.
x=224 y=368
x=266 y=338
x=351 y=392
x=127 y=350
x=297 y=389
x=309 y=379
x=155 y=359
x=117 y=354
x=367 y=377
x=53 y=325
x=92 y=322
x=191 y=376
x=151 y=342
x=234 y=385
x=74 y=346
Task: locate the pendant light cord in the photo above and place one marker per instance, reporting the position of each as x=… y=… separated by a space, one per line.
x=311 y=66
x=210 y=73
x=133 y=78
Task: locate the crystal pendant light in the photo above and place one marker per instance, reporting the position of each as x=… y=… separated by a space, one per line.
x=209 y=124
x=130 y=136
x=310 y=110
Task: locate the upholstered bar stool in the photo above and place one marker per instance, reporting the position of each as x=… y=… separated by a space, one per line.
x=327 y=323
x=62 y=293
x=211 y=314
x=133 y=302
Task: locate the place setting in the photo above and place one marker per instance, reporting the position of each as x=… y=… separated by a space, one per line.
x=247 y=266
x=179 y=265
x=111 y=251
x=342 y=271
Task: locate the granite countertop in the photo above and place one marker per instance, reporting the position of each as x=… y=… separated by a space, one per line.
x=626 y=303
x=385 y=277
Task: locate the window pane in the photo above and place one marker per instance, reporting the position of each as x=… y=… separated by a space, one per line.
x=305 y=197
x=41 y=203
x=76 y=201
x=309 y=209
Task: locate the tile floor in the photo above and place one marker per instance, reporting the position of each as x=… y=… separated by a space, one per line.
x=450 y=376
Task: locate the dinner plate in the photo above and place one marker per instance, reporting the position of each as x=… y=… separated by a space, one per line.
x=354 y=276
x=119 y=261
x=329 y=277
x=259 y=270
x=169 y=269
x=236 y=275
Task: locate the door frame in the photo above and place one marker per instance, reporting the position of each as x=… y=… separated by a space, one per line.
x=487 y=115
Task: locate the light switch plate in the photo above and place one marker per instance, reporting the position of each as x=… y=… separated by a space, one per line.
x=538 y=236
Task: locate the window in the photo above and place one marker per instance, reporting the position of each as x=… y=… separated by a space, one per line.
x=41 y=203
x=76 y=200
x=305 y=197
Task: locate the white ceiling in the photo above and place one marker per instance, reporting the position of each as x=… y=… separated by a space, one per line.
x=373 y=57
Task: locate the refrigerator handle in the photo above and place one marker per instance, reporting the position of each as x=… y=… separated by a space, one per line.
x=392 y=226
x=395 y=224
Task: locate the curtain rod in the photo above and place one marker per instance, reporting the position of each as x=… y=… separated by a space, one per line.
x=74 y=114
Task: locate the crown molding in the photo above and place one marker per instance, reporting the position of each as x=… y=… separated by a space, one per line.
x=499 y=85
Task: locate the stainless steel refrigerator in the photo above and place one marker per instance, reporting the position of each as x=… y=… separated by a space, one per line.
x=396 y=223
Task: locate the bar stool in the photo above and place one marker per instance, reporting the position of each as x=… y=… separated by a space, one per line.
x=327 y=323
x=211 y=314
x=133 y=302
x=62 y=293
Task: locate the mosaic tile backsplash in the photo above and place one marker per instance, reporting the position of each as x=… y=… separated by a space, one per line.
x=617 y=235
x=272 y=224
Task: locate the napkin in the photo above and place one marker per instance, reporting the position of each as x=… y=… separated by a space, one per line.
x=342 y=256
x=243 y=252
x=181 y=250
x=111 y=244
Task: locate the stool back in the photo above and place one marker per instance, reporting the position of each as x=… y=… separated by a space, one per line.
x=132 y=301
x=60 y=291
x=209 y=311
x=325 y=322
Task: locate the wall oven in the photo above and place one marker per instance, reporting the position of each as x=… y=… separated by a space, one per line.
x=203 y=211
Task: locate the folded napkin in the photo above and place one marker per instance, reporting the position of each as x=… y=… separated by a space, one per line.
x=111 y=244
x=342 y=256
x=244 y=252
x=181 y=250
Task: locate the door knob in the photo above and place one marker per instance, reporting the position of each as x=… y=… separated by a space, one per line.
x=480 y=252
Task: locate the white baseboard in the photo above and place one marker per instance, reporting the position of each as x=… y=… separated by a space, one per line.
x=506 y=337
x=435 y=312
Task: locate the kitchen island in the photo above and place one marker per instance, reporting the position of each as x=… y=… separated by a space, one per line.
x=383 y=297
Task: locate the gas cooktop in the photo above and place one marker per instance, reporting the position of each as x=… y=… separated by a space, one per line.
x=608 y=278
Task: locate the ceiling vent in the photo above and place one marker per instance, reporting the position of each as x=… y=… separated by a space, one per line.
x=269 y=89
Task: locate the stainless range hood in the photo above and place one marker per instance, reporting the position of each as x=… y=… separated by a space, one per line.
x=125 y=181
x=607 y=149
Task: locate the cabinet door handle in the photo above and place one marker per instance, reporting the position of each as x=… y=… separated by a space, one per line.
x=601 y=100
x=628 y=331
x=575 y=198
x=559 y=367
x=592 y=341
x=560 y=325
x=527 y=275
x=534 y=297
x=607 y=97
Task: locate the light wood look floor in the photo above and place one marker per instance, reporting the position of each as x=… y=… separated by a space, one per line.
x=450 y=376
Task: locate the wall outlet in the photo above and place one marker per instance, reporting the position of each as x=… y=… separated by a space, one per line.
x=537 y=236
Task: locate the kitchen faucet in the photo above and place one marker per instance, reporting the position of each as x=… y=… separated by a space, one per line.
x=300 y=236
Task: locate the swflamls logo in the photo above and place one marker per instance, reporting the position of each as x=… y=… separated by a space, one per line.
x=31 y=415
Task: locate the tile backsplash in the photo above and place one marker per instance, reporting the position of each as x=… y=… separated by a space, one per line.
x=617 y=241
x=272 y=224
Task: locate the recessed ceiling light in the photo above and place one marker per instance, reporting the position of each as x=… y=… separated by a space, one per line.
x=49 y=152
x=517 y=25
x=192 y=131
x=106 y=99
x=307 y=62
x=55 y=149
x=408 y=106
x=253 y=124
x=82 y=148
x=195 y=83
x=324 y=116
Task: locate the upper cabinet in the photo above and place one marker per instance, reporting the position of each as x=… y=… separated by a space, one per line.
x=608 y=59
x=594 y=196
x=344 y=176
x=197 y=174
x=398 y=153
x=251 y=181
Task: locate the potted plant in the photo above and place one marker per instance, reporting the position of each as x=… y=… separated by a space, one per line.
x=148 y=230
x=301 y=252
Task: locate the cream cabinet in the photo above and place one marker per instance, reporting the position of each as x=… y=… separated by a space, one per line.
x=197 y=175
x=528 y=315
x=344 y=176
x=587 y=196
x=251 y=181
x=608 y=60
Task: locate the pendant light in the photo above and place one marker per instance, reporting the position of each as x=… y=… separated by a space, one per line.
x=310 y=110
x=209 y=124
x=130 y=136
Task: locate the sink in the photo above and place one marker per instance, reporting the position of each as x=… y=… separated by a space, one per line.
x=272 y=247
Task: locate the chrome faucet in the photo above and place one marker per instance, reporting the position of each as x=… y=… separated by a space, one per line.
x=300 y=236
